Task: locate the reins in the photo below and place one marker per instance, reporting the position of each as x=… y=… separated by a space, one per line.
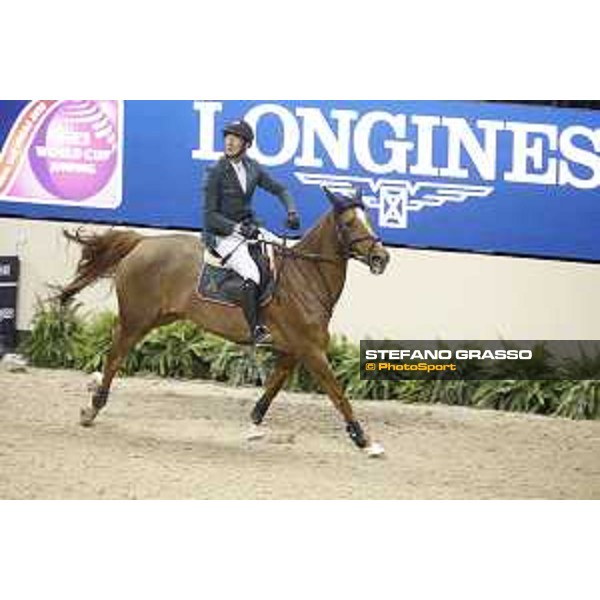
x=291 y=253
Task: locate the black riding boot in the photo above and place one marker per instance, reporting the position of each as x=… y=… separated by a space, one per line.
x=258 y=332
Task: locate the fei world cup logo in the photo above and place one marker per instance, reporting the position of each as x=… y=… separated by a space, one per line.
x=65 y=152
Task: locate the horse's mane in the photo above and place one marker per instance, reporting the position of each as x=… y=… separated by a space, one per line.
x=314 y=234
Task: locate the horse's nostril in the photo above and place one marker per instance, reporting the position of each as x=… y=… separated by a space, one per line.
x=378 y=264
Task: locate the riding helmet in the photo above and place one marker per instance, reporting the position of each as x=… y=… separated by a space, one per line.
x=241 y=129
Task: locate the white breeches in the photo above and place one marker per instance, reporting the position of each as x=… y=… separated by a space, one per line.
x=241 y=261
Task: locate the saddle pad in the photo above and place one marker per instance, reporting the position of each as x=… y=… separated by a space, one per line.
x=222 y=285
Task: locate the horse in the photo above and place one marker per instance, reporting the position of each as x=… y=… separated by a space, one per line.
x=156 y=281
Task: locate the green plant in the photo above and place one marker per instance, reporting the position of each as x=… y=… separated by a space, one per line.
x=97 y=339
x=238 y=365
x=580 y=400
x=57 y=337
x=61 y=338
x=173 y=350
x=453 y=391
x=539 y=397
x=414 y=391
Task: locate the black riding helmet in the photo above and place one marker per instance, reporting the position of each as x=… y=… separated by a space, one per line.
x=241 y=129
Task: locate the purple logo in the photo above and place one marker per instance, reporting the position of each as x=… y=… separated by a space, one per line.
x=73 y=155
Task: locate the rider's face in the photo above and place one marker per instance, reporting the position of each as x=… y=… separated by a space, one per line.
x=233 y=145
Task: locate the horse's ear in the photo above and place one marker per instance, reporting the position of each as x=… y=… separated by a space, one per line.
x=358 y=194
x=330 y=195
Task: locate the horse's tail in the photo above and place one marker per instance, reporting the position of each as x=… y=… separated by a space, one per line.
x=100 y=256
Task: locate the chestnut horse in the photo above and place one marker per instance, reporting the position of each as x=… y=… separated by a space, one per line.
x=156 y=280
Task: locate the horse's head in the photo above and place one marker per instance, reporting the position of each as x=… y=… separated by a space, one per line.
x=355 y=232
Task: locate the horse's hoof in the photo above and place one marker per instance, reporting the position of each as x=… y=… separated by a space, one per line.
x=255 y=433
x=375 y=450
x=87 y=416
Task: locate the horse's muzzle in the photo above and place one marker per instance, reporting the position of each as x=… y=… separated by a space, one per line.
x=378 y=262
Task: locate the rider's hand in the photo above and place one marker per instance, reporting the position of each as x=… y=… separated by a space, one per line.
x=249 y=230
x=293 y=220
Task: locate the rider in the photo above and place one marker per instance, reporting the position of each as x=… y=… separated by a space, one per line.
x=229 y=221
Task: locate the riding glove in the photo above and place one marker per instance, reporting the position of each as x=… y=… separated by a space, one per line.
x=293 y=220
x=249 y=230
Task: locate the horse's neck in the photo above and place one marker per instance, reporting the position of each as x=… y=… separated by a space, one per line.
x=326 y=277
x=321 y=238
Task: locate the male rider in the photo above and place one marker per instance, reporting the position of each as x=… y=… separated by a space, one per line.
x=229 y=221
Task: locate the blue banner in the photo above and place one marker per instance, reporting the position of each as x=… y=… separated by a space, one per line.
x=465 y=176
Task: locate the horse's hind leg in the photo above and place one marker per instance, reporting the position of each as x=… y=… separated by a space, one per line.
x=283 y=367
x=124 y=338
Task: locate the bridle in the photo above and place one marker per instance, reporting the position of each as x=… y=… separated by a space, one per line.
x=347 y=242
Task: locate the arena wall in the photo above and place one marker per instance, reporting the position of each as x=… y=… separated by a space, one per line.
x=423 y=294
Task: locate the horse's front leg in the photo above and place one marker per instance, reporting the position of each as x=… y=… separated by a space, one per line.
x=318 y=364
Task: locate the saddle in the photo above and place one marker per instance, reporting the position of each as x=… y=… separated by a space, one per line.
x=223 y=285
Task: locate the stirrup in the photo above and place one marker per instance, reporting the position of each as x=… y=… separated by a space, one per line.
x=261 y=336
